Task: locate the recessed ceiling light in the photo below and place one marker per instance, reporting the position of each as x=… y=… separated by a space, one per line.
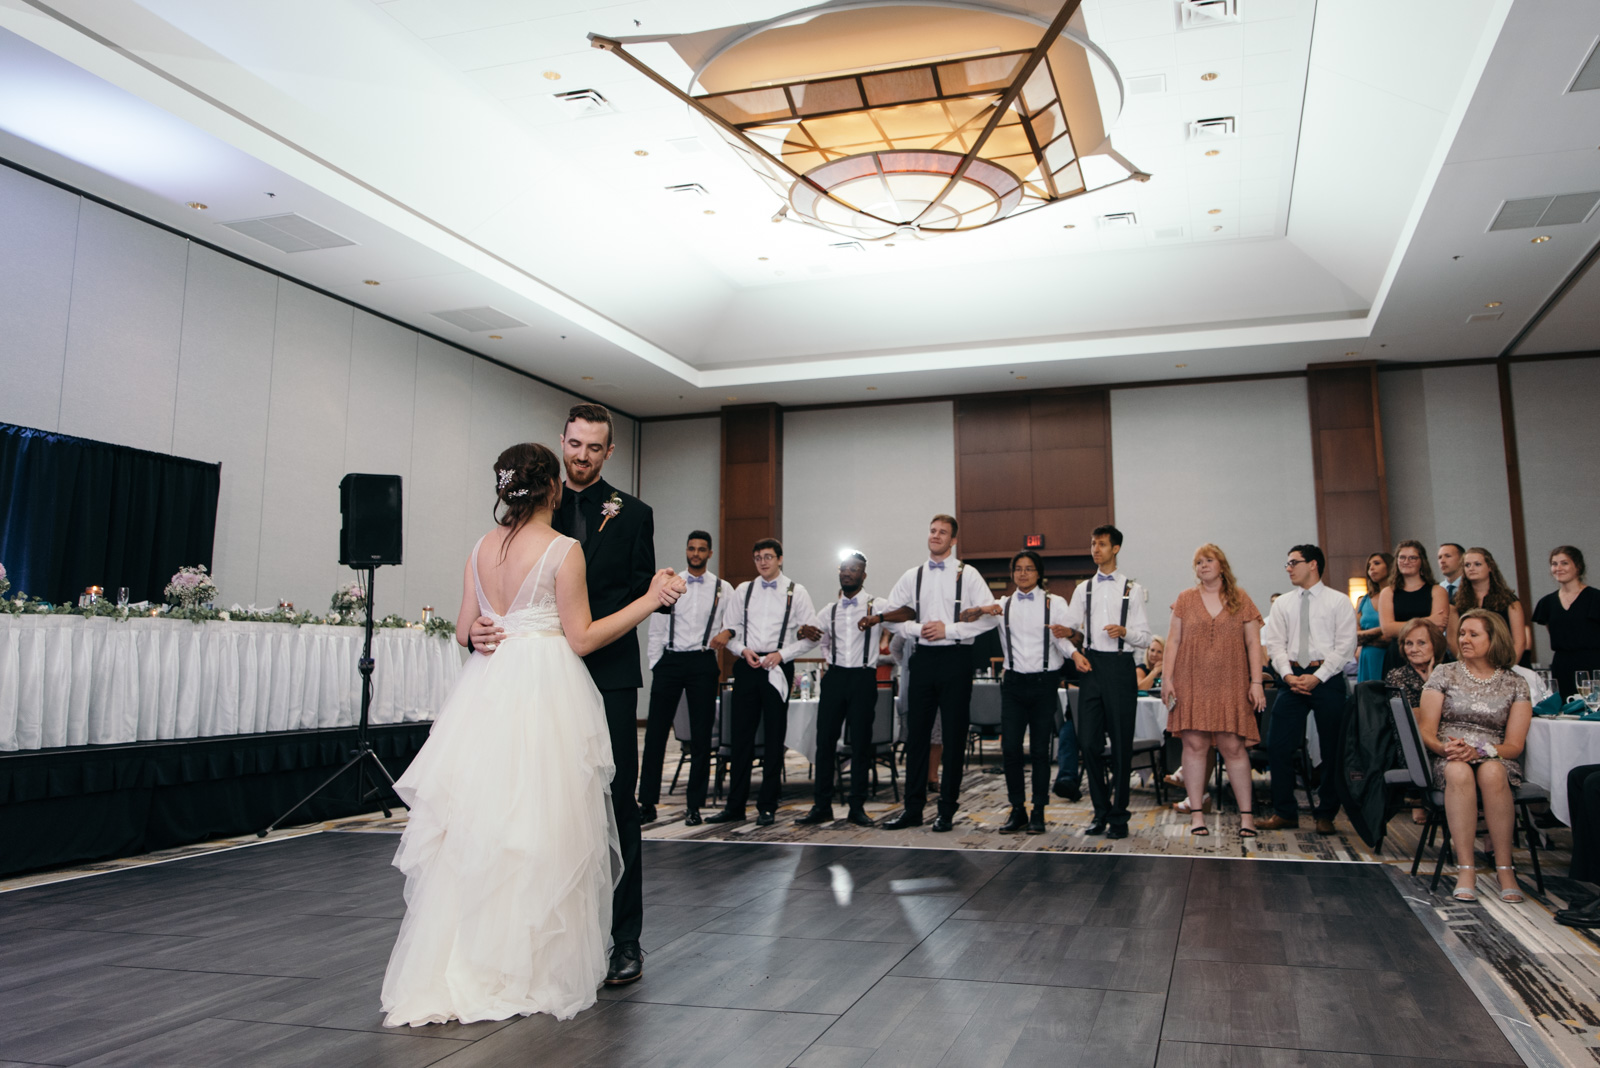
x=888 y=244
x=496 y=337
x=1070 y=226
x=872 y=389
x=588 y=378
x=1352 y=354
x=1214 y=211
x=732 y=398
x=708 y=211
x=1492 y=304
x=1180 y=365
x=1541 y=239
x=1021 y=378
x=762 y=258
x=1209 y=76
x=1214 y=152
x=371 y=282
x=1214 y=229
x=197 y=206
x=553 y=75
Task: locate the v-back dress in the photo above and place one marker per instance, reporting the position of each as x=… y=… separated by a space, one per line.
x=510 y=853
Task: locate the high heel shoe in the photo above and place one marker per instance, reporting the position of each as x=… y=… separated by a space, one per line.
x=1465 y=893
x=1246 y=832
x=1512 y=896
x=1199 y=830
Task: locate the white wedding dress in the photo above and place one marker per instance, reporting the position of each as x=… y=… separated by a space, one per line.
x=510 y=853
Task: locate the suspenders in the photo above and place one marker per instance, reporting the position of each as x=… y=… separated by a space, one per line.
x=833 y=637
x=1044 y=653
x=705 y=639
x=788 y=606
x=961 y=575
x=1088 y=613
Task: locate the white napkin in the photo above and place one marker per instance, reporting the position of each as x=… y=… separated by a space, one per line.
x=776 y=677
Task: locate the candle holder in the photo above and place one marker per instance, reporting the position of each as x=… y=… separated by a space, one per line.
x=427 y=613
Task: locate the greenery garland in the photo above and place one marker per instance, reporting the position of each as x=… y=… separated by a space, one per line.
x=22 y=604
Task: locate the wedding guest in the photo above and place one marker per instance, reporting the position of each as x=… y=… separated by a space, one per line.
x=1572 y=616
x=1423 y=648
x=1370 y=636
x=762 y=620
x=1149 y=672
x=1310 y=636
x=1410 y=594
x=1483 y=586
x=1213 y=688
x=941 y=667
x=1450 y=568
x=1583 y=804
x=1107 y=619
x=683 y=661
x=1029 y=691
x=849 y=691
x=1474 y=719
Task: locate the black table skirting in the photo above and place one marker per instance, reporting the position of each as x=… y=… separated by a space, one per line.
x=64 y=806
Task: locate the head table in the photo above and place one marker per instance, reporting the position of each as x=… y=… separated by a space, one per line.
x=69 y=681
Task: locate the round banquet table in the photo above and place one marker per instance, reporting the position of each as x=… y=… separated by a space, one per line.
x=1555 y=747
x=70 y=681
x=1150 y=721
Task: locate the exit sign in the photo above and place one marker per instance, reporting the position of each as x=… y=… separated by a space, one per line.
x=1033 y=541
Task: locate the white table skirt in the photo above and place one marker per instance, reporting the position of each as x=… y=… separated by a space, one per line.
x=67 y=680
x=1150 y=721
x=1555 y=747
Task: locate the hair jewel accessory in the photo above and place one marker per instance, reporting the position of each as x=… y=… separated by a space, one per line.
x=505 y=478
x=518 y=493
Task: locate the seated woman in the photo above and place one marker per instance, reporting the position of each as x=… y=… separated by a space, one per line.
x=1423 y=647
x=1474 y=719
x=1150 y=670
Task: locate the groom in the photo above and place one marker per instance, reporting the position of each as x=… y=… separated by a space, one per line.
x=617 y=533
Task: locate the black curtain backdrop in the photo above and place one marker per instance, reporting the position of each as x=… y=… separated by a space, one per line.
x=77 y=513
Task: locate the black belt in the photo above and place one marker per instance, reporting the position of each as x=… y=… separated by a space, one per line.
x=1301 y=670
x=1099 y=652
x=1033 y=676
x=841 y=667
x=941 y=648
x=689 y=652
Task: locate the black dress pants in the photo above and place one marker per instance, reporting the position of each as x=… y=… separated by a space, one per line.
x=757 y=704
x=849 y=695
x=627 y=899
x=1583 y=798
x=941 y=686
x=1108 y=699
x=674 y=675
x=1028 y=704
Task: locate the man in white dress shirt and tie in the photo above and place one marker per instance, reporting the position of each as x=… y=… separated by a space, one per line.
x=849 y=690
x=1310 y=636
x=761 y=624
x=937 y=592
x=1450 y=554
x=684 y=640
x=1107 y=616
x=1029 y=692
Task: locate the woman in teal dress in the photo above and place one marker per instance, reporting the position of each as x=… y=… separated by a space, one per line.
x=1373 y=644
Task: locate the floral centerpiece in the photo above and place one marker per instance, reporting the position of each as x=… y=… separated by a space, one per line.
x=348 y=601
x=191 y=587
x=5 y=583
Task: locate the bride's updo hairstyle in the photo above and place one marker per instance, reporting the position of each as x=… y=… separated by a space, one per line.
x=525 y=480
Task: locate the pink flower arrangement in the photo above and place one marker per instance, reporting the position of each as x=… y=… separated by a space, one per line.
x=191 y=586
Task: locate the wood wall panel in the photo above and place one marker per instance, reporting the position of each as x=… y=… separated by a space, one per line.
x=752 y=485
x=997 y=481
x=1347 y=462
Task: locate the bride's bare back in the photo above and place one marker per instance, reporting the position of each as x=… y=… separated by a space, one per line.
x=502 y=576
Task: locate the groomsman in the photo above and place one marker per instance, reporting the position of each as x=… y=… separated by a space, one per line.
x=941 y=667
x=1030 y=690
x=684 y=640
x=1107 y=615
x=762 y=623
x=849 y=690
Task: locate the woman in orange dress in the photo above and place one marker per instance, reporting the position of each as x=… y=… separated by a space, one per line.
x=1213 y=683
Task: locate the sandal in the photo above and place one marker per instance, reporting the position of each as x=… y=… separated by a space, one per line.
x=1199 y=830
x=1512 y=896
x=1419 y=816
x=1183 y=806
x=1175 y=779
x=1246 y=832
x=1465 y=893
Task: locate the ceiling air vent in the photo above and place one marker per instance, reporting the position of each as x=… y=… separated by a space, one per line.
x=478 y=320
x=1147 y=85
x=288 y=233
x=1484 y=317
x=691 y=188
x=1193 y=14
x=1168 y=233
x=1221 y=126
x=1589 y=74
x=1545 y=211
x=1119 y=218
x=583 y=103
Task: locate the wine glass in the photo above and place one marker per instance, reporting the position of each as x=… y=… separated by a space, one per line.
x=122 y=597
x=1583 y=683
x=1591 y=699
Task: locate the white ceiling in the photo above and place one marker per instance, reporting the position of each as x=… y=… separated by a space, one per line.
x=1376 y=142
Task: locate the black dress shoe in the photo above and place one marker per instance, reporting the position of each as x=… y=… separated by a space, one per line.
x=1067 y=789
x=1117 y=830
x=902 y=821
x=765 y=819
x=725 y=817
x=692 y=818
x=647 y=813
x=818 y=814
x=1017 y=821
x=1097 y=827
x=627 y=964
x=1036 y=824
x=941 y=823
x=859 y=817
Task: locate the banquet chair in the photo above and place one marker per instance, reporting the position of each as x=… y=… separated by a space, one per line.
x=1418 y=774
x=882 y=746
x=723 y=754
x=1153 y=752
x=682 y=732
x=983 y=718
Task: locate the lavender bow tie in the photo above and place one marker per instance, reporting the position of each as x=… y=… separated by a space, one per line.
x=695 y=578
x=769 y=585
x=1025 y=596
x=1104 y=578
x=935 y=565
x=848 y=602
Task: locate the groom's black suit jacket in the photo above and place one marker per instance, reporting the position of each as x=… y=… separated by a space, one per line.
x=621 y=559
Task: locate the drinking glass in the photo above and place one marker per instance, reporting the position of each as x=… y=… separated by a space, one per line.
x=122 y=596
x=1591 y=699
x=1583 y=683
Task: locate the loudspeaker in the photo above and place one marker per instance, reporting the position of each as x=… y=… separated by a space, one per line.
x=369 y=506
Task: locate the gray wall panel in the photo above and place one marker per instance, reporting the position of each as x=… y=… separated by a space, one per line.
x=38 y=235
x=1471 y=501
x=1403 y=407
x=440 y=529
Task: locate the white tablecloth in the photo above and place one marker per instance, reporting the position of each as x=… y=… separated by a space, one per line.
x=801 y=735
x=67 y=680
x=1555 y=747
x=1150 y=721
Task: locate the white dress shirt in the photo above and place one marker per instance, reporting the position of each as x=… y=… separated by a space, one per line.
x=843 y=643
x=938 y=601
x=1333 y=631
x=760 y=633
x=1106 y=605
x=1023 y=637
x=686 y=622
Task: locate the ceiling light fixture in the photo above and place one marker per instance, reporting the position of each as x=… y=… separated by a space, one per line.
x=763 y=259
x=733 y=398
x=1209 y=76
x=197 y=206
x=552 y=75
x=1214 y=211
x=1492 y=304
x=1022 y=378
x=1214 y=229
x=930 y=144
x=588 y=378
x=640 y=152
x=1070 y=226
x=1352 y=354
x=1213 y=151
x=872 y=389
x=1180 y=365
x=371 y=282
x=708 y=211
x=496 y=337
x=1541 y=239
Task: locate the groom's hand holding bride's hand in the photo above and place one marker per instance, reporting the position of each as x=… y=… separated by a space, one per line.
x=486 y=635
x=668 y=586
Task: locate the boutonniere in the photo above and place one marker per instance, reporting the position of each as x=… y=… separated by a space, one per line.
x=611 y=509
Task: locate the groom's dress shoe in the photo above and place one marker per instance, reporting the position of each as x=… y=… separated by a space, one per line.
x=692 y=818
x=818 y=814
x=627 y=964
x=725 y=817
x=647 y=813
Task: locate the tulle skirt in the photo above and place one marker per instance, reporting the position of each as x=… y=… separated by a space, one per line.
x=510 y=854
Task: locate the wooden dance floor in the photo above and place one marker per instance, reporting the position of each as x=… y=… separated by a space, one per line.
x=814 y=956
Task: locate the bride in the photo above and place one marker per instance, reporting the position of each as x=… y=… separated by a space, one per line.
x=510 y=852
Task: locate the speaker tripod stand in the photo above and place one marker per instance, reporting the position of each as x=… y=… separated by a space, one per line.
x=363 y=753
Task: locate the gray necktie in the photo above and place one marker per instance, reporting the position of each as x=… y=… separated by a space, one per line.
x=1303 y=656
x=580 y=525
